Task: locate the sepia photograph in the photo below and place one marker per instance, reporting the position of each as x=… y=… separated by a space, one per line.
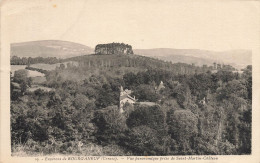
x=128 y=78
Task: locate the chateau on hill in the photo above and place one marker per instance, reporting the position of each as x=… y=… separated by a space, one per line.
x=113 y=48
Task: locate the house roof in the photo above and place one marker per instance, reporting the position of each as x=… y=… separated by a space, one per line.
x=161 y=86
x=147 y=103
x=126 y=96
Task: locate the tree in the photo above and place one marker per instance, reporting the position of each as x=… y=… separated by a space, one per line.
x=62 y=66
x=111 y=125
x=151 y=116
x=80 y=101
x=20 y=76
x=145 y=92
x=247 y=74
x=143 y=140
x=182 y=93
x=234 y=87
x=183 y=128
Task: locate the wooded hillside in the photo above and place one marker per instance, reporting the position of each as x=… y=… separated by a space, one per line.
x=197 y=113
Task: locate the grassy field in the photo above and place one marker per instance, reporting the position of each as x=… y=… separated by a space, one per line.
x=35 y=74
x=30 y=72
x=16 y=67
x=50 y=67
x=39 y=79
x=35 y=87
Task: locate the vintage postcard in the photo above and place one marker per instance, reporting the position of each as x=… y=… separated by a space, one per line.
x=130 y=81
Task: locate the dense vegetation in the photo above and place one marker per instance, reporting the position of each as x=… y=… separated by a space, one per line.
x=198 y=112
x=114 y=48
x=29 y=60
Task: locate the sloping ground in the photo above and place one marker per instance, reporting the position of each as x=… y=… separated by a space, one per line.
x=118 y=65
x=65 y=49
x=39 y=79
x=15 y=68
x=35 y=74
x=236 y=58
x=49 y=48
x=50 y=67
x=30 y=72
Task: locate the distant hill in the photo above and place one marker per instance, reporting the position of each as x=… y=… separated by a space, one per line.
x=237 y=58
x=49 y=48
x=65 y=49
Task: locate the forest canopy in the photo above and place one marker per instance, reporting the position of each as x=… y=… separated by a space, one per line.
x=197 y=113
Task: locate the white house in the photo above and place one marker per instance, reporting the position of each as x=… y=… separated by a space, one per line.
x=125 y=98
x=160 y=87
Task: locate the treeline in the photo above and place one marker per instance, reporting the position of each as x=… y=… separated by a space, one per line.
x=36 y=69
x=113 y=48
x=196 y=114
x=135 y=61
x=29 y=60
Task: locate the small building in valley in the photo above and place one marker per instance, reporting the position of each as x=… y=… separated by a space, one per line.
x=125 y=98
x=160 y=87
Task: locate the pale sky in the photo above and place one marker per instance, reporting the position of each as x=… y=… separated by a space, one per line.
x=211 y=25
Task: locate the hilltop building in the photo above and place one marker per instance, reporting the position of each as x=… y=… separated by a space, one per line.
x=125 y=98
